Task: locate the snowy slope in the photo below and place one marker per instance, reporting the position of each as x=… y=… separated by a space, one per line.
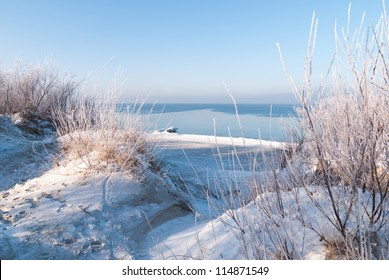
x=69 y=212
x=24 y=155
x=60 y=209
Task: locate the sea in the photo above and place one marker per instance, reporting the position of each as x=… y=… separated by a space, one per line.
x=257 y=121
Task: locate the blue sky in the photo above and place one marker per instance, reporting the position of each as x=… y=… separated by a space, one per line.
x=180 y=51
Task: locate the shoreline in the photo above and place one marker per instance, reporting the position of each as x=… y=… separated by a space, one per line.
x=218 y=140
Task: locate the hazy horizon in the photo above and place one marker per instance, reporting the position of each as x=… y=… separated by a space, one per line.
x=222 y=98
x=178 y=51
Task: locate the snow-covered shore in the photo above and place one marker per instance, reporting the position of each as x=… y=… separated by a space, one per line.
x=218 y=140
x=63 y=210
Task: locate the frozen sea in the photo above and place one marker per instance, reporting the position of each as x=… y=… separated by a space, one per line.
x=264 y=121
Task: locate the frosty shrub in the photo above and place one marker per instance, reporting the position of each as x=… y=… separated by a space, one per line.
x=34 y=89
x=327 y=197
x=89 y=126
x=345 y=136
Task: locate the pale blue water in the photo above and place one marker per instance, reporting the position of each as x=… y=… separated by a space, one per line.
x=263 y=121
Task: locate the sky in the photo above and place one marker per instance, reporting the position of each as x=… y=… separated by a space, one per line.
x=177 y=50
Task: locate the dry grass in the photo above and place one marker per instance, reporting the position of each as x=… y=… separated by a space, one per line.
x=92 y=129
x=88 y=127
x=336 y=166
x=345 y=135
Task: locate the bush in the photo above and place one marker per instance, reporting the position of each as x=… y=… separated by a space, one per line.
x=329 y=191
x=346 y=134
x=34 y=89
x=88 y=127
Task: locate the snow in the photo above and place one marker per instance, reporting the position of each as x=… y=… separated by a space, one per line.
x=217 y=239
x=51 y=209
x=23 y=155
x=218 y=140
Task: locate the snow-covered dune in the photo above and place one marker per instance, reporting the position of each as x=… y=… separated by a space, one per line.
x=63 y=210
x=60 y=209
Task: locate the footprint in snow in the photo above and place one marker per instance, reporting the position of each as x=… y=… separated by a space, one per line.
x=54 y=196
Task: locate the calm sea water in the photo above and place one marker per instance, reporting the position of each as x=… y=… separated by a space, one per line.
x=263 y=121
